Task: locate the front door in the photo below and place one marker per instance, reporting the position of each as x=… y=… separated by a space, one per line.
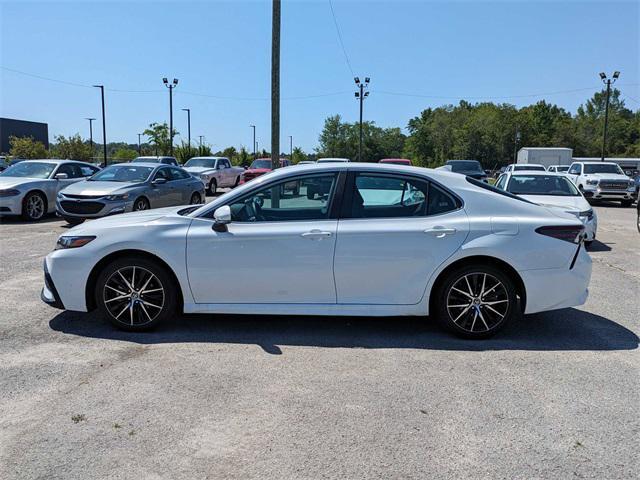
x=278 y=249
x=395 y=233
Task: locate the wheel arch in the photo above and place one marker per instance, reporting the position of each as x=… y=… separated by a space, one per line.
x=481 y=260
x=42 y=194
x=98 y=267
x=142 y=195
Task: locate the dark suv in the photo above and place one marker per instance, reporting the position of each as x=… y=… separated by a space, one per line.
x=470 y=168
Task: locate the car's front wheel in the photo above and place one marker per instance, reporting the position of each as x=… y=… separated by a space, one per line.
x=476 y=301
x=195 y=199
x=34 y=206
x=135 y=294
x=141 y=204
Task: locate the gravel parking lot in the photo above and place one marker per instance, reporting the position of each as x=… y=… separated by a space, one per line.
x=556 y=395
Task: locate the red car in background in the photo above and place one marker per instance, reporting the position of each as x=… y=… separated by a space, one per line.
x=260 y=166
x=397 y=161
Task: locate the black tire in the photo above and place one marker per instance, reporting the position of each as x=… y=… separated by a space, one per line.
x=213 y=186
x=140 y=204
x=34 y=206
x=73 y=220
x=195 y=199
x=139 y=311
x=476 y=316
x=588 y=243
x=626 y=203
x=638 y=220
x=237 y=182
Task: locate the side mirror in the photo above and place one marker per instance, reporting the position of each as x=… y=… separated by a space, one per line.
x=61 y=176
x=222 y=217
x=159 y=181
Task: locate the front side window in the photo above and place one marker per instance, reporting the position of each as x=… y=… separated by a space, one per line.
x=501 y=181
x=300 y=198
x=575 y=170
x=71 y=169
x=224 y=163
x=163 y=173
x=178 y=174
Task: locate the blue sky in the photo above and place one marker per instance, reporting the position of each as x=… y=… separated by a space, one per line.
x=451 y=50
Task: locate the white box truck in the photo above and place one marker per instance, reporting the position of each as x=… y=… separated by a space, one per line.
x=545 y=156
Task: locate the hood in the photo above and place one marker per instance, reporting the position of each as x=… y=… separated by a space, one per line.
x=573 y=204
x=126 y=219
x=606 y=176
x=13 y=182
x=257 y=170
x=199 y=170
x=97 y=188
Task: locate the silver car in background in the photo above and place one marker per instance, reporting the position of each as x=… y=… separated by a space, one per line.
x=29 y=187
x=129 y=187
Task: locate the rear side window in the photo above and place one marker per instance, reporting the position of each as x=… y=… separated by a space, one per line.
x=377 y=196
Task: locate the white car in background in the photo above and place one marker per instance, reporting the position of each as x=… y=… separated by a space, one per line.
x=558 y=168
x=332 y=160
x=382 y=240
x=552 y=190
x=29 y=188
x=521 y=167
x=215 y=172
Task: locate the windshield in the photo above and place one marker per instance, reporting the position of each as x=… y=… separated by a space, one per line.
x=465 y=166
x=564 y=168
x=201 y=162
x=146 y=159
x=535 y=168
x=29 y=169
x=542 y=185
x=122 y=173
x=602 y=168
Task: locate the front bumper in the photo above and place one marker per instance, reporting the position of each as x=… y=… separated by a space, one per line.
x=49 y=294
x=94 y=208
x=594 y=192
x=11 y=205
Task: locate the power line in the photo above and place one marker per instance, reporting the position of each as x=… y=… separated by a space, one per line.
x=344 y=50
x=505 y=97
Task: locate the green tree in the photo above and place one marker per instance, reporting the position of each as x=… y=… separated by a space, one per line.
x=184 y=152
x=124 y=154
x=72 y=148
x=26 y=147
x=158 y=134
x=298 y=155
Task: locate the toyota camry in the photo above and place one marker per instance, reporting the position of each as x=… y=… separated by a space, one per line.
x=379 y=240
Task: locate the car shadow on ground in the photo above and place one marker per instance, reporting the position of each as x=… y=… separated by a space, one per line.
x=18 y=220
x=598 y=246
x=562 y=330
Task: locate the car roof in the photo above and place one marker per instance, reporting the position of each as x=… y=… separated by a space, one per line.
x=56 y=161
x=141 y=164
x=537 y=172
x=211 y=157
x=595 y=163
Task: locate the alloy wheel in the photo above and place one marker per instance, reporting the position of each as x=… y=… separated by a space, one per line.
x=35 y=207
x=195 y=199
x=140 y=204
x=477 y=302
x=133 y=296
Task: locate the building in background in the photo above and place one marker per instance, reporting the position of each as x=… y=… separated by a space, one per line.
x=22 y=128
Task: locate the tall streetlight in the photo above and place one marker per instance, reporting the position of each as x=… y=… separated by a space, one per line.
x=275 y=90
x=200 y=147
x=290 y=147
x=170 y=86
x=254 y=140
x=361 y=95
x=607 y=82
x=104 y=127
x=91 y=134
x=139 y=147
x=188 y=110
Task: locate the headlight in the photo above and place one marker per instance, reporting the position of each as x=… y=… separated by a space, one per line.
x=122 y=196
x=587 y=213
x=592 y=182
x=9 y=193
x=73 y=242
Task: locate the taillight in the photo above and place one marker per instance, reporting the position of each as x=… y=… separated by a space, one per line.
x=568 y=233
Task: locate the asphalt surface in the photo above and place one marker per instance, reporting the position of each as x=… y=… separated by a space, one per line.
x=556 y=395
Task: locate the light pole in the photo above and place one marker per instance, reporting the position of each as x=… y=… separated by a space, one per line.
x=104 y=127
x=257 y=147
x=170 y=86
x=200 y=146
x=139 y=147
x=275 y=90
x=290 y=147
x=91 y=134
x=188 y=110
x=361 y=95
x=516 y=140
x=607 y=82
x=254 y=140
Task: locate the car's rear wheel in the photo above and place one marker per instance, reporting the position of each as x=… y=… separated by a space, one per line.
x=135 y=294
x=213 y=186
x=34 y=206
x=476 y=301
x=195 y=199
x=73 y=220
x=141 y=204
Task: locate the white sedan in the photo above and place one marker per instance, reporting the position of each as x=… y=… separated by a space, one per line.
x=379 y=240
x=552 y=190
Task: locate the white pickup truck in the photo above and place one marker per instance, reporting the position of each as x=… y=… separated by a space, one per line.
x=215 y=172
x=602 y=181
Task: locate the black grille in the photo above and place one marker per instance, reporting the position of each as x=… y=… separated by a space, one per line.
x=619 y=185
x=82 y=207
x=83 y=197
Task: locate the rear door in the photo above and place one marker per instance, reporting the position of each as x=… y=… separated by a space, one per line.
x=394 y=232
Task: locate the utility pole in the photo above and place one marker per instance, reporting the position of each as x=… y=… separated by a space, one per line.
x=188 y=110
x=607 y=82
x=257 y=148
x=170 y=86
x=254 y=141
x=361 y=95
x=516 y=140
x=139 y=148
x=104 y=127
x=291 y=147
x=200 y=146
x=91 y=134
x=275 y=87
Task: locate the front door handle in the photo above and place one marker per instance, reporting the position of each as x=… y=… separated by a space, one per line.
x=316 y=234
x=440 y=232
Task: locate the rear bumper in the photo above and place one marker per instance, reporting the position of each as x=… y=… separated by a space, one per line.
x=555 y=288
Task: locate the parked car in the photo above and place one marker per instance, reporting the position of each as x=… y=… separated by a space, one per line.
x=387 y=240
x=332 y=160
x=470 y=168
x=525 y=167
x=603 y=181
x=305 y=162
x=261 y=166
x=558 y=168
x=396 y=161
x=156 y=159
x=128 y=187
x=552 y=189
x=29 y=188
x=215 y=172
x=3 y=163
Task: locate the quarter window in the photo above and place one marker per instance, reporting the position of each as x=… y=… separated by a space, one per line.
x=302 y=198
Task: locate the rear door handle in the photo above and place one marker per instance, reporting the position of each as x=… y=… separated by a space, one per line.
x=316 y=234
x=440 y=232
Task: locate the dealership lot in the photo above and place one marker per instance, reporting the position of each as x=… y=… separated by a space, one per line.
x=556 y=395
